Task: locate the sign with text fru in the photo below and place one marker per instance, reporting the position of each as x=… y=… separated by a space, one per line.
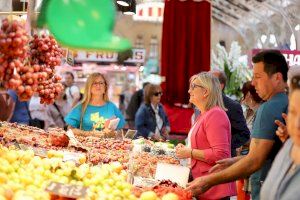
x=138 y=56
x=69 y=191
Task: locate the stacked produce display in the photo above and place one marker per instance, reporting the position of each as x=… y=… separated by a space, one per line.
x=25 y=176
x=102 y=164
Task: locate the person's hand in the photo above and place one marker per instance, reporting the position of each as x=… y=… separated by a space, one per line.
x=222 y=164
x=281 y=131
x=156 y=137
x=183 y=152
x=166 y=134
x=198 y=186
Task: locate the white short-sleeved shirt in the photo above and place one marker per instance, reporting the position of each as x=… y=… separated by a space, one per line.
x=72 y=93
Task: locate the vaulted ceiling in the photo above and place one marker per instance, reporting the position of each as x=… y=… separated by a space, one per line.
x=275 y=19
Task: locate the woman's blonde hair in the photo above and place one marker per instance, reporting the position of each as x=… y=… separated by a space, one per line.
x=87 y=93
x=208 y=81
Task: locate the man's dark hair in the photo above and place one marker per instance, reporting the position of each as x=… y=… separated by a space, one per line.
x=71 y=74
x=145 y=84
x=273 y=61
x=222 y=78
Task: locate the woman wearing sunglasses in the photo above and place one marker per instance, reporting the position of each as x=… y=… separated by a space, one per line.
x=209 y=139
x=151 y=120
x=95 y=108
x=283 y=179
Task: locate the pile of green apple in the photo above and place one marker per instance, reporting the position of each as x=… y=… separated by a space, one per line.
x=25 y=176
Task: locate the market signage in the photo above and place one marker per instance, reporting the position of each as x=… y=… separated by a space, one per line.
x=69 y=191
x=149 y=11
x=292 y=57
x=138 y=56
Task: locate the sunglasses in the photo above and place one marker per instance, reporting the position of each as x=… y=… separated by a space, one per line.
x=98 y=83
x=193 y=86
x=158 y=93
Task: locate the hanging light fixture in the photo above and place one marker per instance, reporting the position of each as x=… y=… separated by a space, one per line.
x=131 y=9
x=124 y=2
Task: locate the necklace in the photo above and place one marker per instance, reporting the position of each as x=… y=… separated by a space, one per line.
x=292 y=168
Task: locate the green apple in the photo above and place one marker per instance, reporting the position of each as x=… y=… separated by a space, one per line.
x=170 y=196
x=149 y=195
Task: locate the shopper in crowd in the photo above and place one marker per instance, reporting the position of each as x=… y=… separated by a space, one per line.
x=38 y=112
x=269 y=79
x=58 y=110
x=95 y=106
x=6 y=105
x=252 y=101
x=282 y=129
x=240 y=133
x=283 y=179
x=151 y=120
x=72 y=91
x=134 y=104
x=20 y=112
x=125 y=97
x=209 y=138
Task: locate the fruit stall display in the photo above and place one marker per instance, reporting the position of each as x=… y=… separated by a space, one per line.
x=25 y=176
x=55 y=143
x=97 y=150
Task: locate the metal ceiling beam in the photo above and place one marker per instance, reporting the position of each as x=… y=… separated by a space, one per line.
x=225 y=12
x=234 y=27
x=238 y=5
x=283 y=14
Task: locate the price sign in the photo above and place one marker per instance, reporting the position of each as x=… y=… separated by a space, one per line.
x=69 y=191
x=24 y=147
x=40 y=152
x=71 y=156
x=73 y=141
x=144 y=182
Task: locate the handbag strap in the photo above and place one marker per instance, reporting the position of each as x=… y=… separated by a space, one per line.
x=57 y=108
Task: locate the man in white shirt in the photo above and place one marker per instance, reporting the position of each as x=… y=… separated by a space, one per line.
x=72 y=91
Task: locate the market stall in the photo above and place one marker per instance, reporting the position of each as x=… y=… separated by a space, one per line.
x=100 y=166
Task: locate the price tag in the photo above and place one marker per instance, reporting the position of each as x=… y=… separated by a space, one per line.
x=69 y=191
x=16 y=144
x=71 y=156
x=73 y=140
x=40 y=152
x=166 y=172
x=24 y=147
x=144 y=182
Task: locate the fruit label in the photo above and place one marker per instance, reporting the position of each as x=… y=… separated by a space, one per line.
x=71 y=156
x=69 y=191
x=166 y=171
x=40 y=152
x=73 y=141
x=144 y=182
x=23 y=147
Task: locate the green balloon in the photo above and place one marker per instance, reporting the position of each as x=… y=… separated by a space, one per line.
x=83 y=24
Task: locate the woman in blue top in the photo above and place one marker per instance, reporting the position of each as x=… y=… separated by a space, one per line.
x=95 y=108
x=151 y=120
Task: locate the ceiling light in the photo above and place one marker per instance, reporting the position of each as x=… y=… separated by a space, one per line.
x=131 y=9
x=124 y=2
x=272 y=39
x=263 y=38
x=297 y=28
